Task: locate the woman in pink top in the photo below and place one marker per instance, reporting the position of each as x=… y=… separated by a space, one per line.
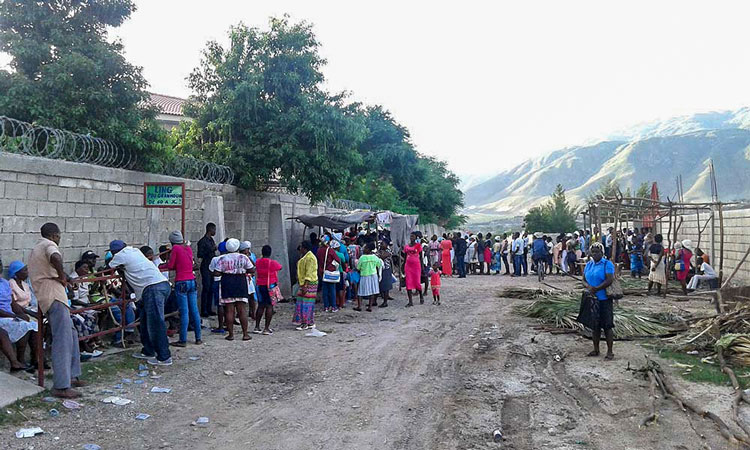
x=267 y=277
x=186 y=292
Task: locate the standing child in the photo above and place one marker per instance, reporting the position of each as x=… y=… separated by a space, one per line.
x=435 y=280
x=369 y=267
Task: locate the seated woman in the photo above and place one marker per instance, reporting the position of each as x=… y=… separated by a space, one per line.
x=14 y=328
x=86 y=323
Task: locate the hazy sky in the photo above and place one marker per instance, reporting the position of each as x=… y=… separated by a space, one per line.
x=486 y=85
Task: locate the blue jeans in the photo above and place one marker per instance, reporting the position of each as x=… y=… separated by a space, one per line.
x=329 y=295
x=517 y=265
x=153 y=329
x=524 y=264
x=187 y=303
x=461 y=266
x=117 y=314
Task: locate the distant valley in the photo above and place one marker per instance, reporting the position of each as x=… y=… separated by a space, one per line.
x=656 y=151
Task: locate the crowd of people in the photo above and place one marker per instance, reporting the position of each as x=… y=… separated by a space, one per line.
x=338 y=269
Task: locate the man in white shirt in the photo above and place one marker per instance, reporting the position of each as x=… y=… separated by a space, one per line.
x=708 y=274
x=153 y=289
x=517 y=249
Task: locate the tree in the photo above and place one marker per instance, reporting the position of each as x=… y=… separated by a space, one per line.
x=259 y=107
x=66 y=74
x=425 y=184
x=607 y=188
x=556 y=216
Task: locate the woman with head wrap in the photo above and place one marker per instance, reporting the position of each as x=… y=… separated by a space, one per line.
x=14 y=328
x=234 y=267
x=186 y=291
x=23 y=299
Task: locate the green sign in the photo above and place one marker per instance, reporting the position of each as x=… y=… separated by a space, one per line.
x=163 y=195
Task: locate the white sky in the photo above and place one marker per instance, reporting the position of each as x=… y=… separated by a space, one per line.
x=488 y=84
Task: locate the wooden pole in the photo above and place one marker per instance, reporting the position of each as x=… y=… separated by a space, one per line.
x=669 y=252
x=698 y=226
x=736 y=269
x=721 y=244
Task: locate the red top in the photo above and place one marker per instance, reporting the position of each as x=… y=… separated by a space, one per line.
x=267 y=271
x=435 y=277
x=327 y=260
x=181 y=261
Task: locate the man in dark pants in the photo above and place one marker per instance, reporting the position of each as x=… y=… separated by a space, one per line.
x=206 y=251
x=459 y=248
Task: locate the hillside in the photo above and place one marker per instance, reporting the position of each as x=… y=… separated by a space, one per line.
x=582 y=169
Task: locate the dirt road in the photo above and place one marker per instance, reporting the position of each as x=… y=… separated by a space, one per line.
x=428 y=377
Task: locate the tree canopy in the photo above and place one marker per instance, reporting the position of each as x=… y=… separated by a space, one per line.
x=260 y=107
x=555 y=216
x=66 y=74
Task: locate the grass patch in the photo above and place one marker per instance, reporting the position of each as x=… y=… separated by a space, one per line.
x=22 y=410
x=705 y=373
x=96 y=371
x=105 y=370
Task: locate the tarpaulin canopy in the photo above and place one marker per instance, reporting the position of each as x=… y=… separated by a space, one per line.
x=335 y=221
x=401 y=228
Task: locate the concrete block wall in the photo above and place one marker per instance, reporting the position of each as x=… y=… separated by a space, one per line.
x=94 y=205
x=736 y=239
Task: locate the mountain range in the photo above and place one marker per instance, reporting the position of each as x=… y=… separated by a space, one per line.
x=654 y=151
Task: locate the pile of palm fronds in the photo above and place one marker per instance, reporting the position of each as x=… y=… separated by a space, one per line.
x=523 y=293
x=628 y=282
x=736 y=348
x=561 y=310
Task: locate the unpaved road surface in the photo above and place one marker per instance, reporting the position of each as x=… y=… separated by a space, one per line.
x=428 y=377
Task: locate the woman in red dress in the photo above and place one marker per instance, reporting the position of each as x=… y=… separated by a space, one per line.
x=447 y=246
x=413 y=269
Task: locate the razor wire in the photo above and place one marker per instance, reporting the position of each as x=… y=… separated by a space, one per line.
x=24 y=138
x=349 y=205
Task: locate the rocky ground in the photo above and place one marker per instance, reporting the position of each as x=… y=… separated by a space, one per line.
x=428 y=377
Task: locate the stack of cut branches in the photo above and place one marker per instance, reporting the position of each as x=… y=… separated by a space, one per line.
x=735 y=348
x=704 y=333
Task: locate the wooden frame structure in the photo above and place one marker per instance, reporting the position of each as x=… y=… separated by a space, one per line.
x=618 y=209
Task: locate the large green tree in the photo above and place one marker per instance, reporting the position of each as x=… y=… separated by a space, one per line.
x=259 y=107
x=423 y=184
x=556 y=215
x=65 y=73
